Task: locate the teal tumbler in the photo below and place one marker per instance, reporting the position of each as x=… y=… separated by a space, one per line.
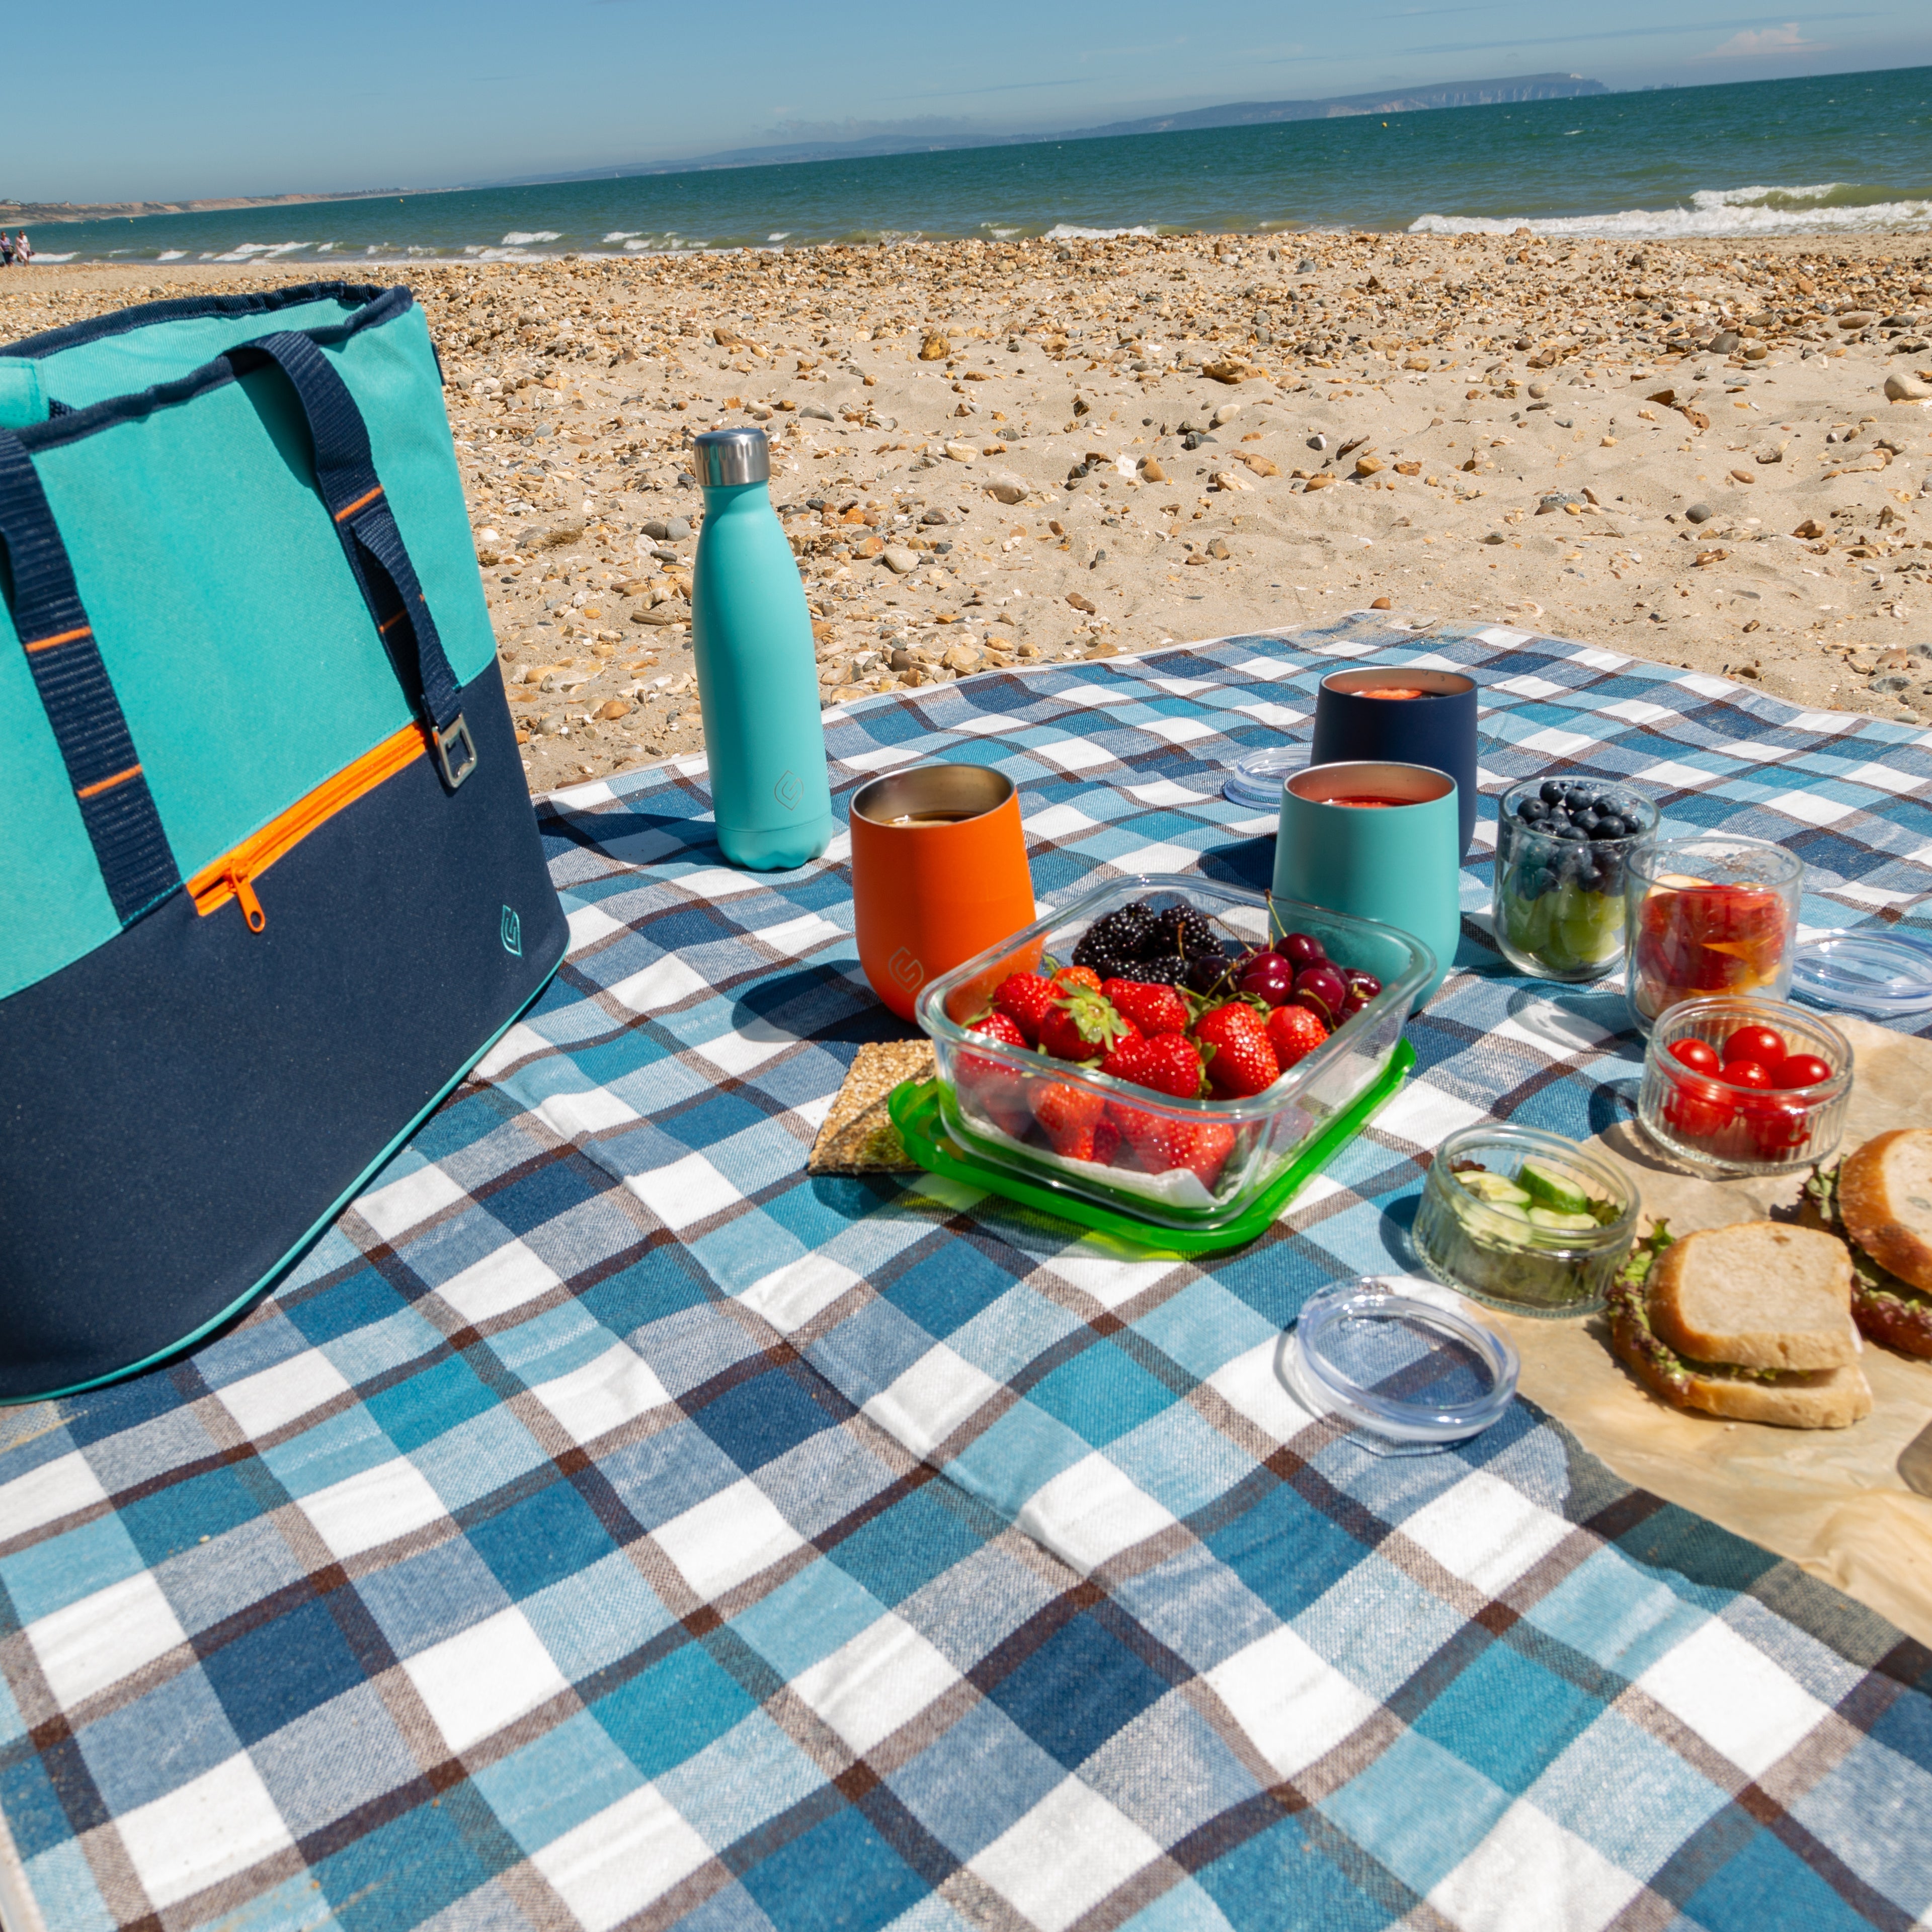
x=757 y=677
x=1393 y=854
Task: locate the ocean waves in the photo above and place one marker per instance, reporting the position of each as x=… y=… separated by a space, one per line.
x=1823 y=207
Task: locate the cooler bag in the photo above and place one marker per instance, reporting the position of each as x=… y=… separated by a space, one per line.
x=270 y=883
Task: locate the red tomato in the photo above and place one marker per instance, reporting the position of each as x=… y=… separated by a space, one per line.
x=1800 y=1069
x=1775 y=1126
x=1699 y=1108
x=1760 y=1043
x=1699 y=1055
x=1745 y=1073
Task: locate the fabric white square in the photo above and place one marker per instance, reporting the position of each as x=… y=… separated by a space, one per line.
x=737 y=1054
x=1110 y=1280
x=1669 y=772
x=1704 y=686
x=505 y=1279
x=588 y=924
x=484 y=1678
x=1249 y=1385
x=726 y=1538
x=1425 y=1115
x=520 y=1043
x=1812 y=807
x=662 y=984
x=263 y=1402
x=1071 y=754
x=1503 y=638
x=793 y=938
x=1059 y=821
x=45 y=1495
x=884 y=757
x=1064 y=1856
x=1091 y=1513
x=1729 y=1692
x=86 y=1646
x=1092 y=693
x=788 y=1297
x=1530 y=1875
x=409 y=1202
x=1557 y=744
x=1156 y=858
x=1882 y=777
x=1486 y=1532
x=615 y=1864
x=866 y=1689
x=1293 y=1704
x=1265 y=669
x=375 y=1507
x=1276 y=717
x=605 y=1393
x=1525 y=686
x=686 y=1191
x=220 y=1823
x=931 y=1399
x=1175 y=731
x=567 y=1115
x=1162 y=791
x=1183 y=687
x=1637 y=711
x=1599 y=660
x=584 y=797
x=718 y=882
x=1825 y=723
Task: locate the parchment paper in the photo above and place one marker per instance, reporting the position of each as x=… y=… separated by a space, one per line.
x=1830 y=1499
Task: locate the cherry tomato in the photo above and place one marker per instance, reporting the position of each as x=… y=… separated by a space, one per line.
x=1699 y=1055
x=1745 y=1073
x=1774 y=1124
x=1699 y=1108
x=1800 y=1069
x=1760 y=1043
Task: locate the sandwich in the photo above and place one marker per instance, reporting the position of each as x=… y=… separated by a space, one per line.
x=1879 y=1202
x=1752 y=1323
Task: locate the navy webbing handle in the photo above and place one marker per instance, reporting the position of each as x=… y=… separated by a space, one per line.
x=132 y=850
x=345 y=472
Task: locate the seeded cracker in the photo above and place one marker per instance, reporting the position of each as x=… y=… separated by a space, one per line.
x=858 y=1136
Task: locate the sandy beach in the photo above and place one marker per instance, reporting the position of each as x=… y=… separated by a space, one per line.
x=1710 y=455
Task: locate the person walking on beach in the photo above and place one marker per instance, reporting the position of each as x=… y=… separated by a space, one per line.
x=23 y=250
x=6 y=250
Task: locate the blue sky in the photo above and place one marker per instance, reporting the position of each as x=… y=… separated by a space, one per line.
x=112 y=99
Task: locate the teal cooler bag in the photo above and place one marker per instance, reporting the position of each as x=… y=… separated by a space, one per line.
x=270 y=883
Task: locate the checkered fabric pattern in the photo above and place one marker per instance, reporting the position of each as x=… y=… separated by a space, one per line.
x=608 y=1525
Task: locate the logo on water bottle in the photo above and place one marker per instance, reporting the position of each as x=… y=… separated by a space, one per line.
x=789 y=790
x=511 y=931
x=905 y=969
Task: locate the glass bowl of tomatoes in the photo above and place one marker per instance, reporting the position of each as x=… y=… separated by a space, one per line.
x=1735 y=1086
x=1709 y=915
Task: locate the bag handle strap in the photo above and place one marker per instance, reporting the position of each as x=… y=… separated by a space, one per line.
x=137 y=865
x=345 y=471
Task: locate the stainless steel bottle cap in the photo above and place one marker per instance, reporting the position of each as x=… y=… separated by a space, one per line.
x=732 y=456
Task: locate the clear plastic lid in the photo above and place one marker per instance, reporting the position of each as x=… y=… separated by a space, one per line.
x=1257 y=779
x=1865 y=970
x=1390 y=1355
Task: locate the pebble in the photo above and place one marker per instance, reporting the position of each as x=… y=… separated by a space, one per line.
x=899 y=561
x=1698 y=513
x=1903 y=389
x=668 y=529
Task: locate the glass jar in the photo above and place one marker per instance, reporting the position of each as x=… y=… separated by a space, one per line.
x=1543 y=1232
x=1560 y=874
x=1708 y=915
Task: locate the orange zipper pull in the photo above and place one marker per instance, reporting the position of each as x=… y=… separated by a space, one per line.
x=244 y=892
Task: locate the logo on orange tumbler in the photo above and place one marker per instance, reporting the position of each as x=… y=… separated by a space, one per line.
x=939 y=873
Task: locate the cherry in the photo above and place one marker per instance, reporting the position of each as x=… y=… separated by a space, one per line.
x=1800 y=1069
x=1301 y=949
x=1322 y=991
x=1760 y=1043
x=1745 y=1073
x=1699 y=1055
x=1362 y=987
x=1270 y=978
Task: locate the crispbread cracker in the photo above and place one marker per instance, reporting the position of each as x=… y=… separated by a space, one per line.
x=858 y=1136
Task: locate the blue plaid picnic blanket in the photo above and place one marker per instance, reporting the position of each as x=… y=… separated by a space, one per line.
x=608 y=1525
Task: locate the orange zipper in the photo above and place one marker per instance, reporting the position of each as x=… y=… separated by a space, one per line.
x=233 y=875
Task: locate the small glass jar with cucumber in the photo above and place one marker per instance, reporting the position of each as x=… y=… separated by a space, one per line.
x=1562 y=846
x=1525 y=1220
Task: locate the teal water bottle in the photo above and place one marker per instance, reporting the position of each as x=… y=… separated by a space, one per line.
x=757 y=679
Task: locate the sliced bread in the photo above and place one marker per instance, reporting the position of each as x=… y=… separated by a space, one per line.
x=1884 y=1199
x=1821 y=1398
x=1759 y=1296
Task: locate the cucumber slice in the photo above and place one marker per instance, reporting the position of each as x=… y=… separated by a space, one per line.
x=1494 y=1188
x=1558 y=1219
x=1509 y=1210
x=1550 y=1187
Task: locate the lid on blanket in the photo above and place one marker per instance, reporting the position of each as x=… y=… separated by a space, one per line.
x=1864 y=969
x=1257 y=779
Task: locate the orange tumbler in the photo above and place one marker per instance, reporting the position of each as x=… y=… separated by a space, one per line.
x=939 y=873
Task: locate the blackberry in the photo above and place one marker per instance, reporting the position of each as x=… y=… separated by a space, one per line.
x=1167 y=969
x=1104 y=955
x=1184 y=928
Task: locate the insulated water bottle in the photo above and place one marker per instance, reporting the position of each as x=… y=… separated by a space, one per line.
x=758 y=680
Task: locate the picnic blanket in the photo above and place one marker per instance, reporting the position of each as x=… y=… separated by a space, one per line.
x=608 y=1524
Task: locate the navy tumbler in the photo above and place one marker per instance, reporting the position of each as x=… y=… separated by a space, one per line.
x=1432 y=722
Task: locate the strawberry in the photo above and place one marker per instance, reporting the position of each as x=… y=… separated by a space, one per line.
x=1024 y=999
x=1160 y=1142
x=1294 y=1032
x=1240 y=1061
x=997 y=1089
x=1154 y=1010
x=1078 y=976
x=1169 y=1063
x=1080 y=1025
x=1070 y=1115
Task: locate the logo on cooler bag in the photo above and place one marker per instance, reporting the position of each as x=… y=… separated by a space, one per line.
x=511 y=932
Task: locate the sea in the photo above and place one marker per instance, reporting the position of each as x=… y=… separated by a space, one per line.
x=1758 y=158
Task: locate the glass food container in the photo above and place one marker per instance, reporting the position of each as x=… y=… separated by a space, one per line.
x=1708 y=915
x=1242 y=1144
x=1721 y=1127
x=1561 y=848
x=1525 y=1220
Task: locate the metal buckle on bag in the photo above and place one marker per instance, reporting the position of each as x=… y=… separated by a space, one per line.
x=453 y=775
